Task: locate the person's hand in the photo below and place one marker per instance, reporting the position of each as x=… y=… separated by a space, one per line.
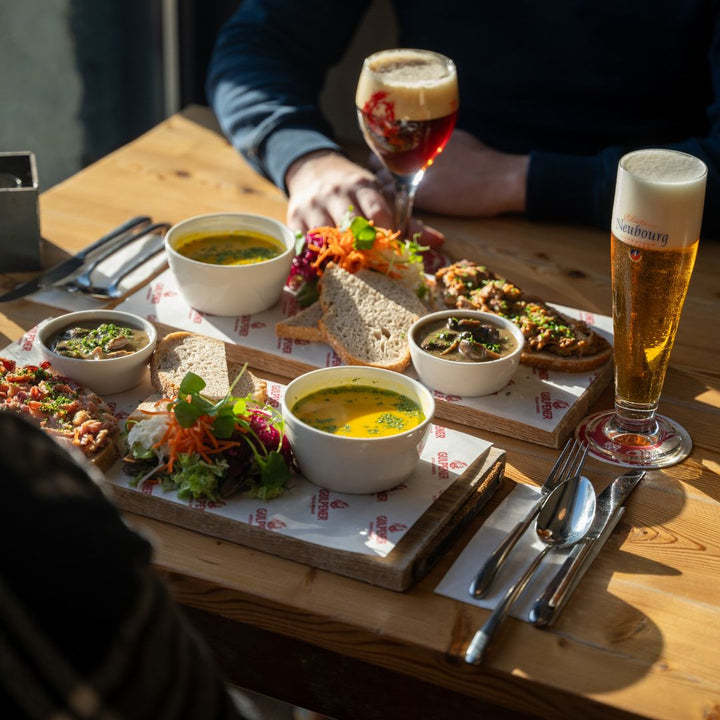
x=469 y=179
x=323 y=185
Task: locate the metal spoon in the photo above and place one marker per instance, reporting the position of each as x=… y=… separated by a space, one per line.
x=564 y=518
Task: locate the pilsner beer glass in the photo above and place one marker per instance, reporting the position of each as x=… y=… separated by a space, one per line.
x=654 y=238
x=407 y=103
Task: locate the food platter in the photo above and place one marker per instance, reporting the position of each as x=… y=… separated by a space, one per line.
x=391 y=539
x=539 y=406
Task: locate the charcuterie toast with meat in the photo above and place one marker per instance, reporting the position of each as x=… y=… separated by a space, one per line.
x=552 y=340
x=74 y=415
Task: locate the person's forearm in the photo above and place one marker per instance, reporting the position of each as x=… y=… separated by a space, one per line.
x=265 y=77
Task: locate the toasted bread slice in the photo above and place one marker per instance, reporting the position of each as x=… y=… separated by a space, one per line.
x=90 y=427
x=304 y=325
x=366 y=317
x=103 y=457
x=181 y=352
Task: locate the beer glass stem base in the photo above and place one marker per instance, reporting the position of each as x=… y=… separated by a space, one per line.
x=660 y=442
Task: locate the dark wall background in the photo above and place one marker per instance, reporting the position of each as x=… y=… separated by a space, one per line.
x=199 y=23
x=118 y=52
x=118 y=48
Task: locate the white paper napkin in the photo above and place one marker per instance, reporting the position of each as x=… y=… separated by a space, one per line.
x=59 y=298
x=511 y=510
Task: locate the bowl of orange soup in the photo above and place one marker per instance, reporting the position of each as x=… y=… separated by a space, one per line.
x=357 y=429
x=230 y=263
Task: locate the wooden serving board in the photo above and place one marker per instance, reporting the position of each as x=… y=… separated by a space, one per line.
x=407 y=562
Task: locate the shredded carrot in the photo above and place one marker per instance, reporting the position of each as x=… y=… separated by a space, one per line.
x=339 y=247
x=198 y=438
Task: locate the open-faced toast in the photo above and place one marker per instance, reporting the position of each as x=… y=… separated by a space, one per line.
x=73 y=414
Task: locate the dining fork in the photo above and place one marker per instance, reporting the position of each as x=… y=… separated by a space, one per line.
x=83 y=282
x=570 y=462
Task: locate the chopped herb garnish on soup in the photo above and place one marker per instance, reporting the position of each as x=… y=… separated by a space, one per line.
x=93 y=341
x=359 y=411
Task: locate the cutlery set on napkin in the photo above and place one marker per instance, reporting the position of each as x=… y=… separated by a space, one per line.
x=505 y=549
x=101 y=268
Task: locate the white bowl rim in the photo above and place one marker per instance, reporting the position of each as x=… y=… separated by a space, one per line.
x=467 y=312
x=79 y=315
x=178 y=227
x=417 y=386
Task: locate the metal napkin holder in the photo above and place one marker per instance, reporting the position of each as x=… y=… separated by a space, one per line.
x=20 y=243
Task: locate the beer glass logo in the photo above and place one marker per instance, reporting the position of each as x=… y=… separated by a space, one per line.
x=635 y=254
x=632 y=229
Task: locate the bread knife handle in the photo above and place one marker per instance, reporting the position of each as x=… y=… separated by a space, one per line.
x=548 y=606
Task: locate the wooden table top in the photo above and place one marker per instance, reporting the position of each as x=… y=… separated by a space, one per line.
x=641 y=635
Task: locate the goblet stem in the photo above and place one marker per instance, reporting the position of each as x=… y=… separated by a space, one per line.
x=405 y=188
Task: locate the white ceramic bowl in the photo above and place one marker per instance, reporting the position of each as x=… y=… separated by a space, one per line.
x=356 y=465
x=107 y=376
x=230 y=290
x=469 y=379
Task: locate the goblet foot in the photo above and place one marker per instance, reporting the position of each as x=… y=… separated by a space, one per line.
x=667 y=444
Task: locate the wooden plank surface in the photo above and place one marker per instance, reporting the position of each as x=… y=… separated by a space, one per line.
x=409 y=561
x=641 y=636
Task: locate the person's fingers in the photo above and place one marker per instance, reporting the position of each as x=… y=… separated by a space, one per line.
x=374 y=164
x=373 y=205
x=304 y=217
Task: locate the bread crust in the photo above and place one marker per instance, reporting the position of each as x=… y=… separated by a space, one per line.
x=104 y=458
x=304 y=325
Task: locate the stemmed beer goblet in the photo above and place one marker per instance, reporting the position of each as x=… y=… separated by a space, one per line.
x=656 y=221
x=407 y=103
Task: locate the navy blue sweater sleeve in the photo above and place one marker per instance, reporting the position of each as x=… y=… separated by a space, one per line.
x=266 y=74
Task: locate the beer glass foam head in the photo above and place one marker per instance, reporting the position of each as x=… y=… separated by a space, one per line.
x=401 y=74
x=659 y=199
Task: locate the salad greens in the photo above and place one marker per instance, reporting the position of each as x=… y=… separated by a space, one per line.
x=205 y=449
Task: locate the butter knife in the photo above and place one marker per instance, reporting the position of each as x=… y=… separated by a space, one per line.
x=548 y=606
x=66 y=267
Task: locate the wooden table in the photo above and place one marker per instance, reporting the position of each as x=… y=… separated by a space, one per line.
x=640 y=637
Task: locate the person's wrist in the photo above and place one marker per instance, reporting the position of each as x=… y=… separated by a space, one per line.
x=516 y=175
x=307 y=163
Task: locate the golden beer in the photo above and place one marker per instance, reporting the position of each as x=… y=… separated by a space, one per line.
x=649 y=288
x=655 y=227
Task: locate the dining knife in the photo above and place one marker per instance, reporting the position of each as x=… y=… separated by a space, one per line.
x=66 y=267
x=548 y=606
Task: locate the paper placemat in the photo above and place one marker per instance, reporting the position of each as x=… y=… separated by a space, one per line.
x=538 y=405
x=371 y=524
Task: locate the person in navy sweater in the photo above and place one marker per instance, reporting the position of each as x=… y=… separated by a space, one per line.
x=550 y=98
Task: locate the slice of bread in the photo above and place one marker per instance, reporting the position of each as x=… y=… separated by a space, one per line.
x=180 y=352
x=304 y=325
x=366 y=317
